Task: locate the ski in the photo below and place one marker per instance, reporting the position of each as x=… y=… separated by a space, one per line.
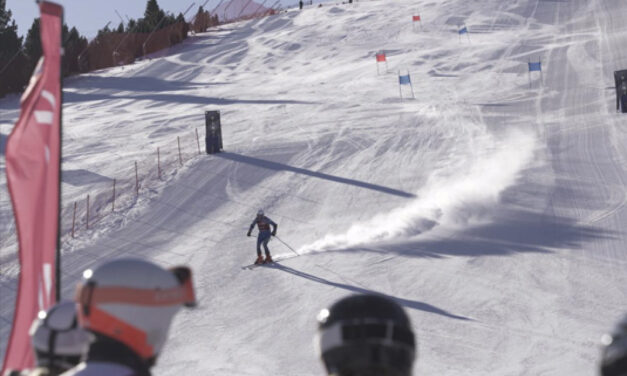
x=276 y=260
x=253 y=266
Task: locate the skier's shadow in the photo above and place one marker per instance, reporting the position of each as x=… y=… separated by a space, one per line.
x=404 y=302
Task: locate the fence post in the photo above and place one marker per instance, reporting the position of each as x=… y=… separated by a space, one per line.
x=198 y=141
x=73 y=219
x=87 y=219
x=158 y=164
x=136 y=181
x=178 y=141
x=113 y=202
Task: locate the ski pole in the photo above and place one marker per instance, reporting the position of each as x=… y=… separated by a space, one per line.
x=287 y=245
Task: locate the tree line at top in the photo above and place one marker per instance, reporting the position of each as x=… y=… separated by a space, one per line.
x=154 y=17
x=19 y=55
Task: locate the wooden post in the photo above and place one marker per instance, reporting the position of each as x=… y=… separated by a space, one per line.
x=158 y=163
x=136 y=181
x=529 y=72
x=87 y=218
x=113 y=202
x=73 y=219
x=198 y=141
x=178 y=141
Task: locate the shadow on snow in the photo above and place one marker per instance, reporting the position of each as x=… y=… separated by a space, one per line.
x=70 y=97
x=512 y=231
x=412 y=304
x=270 y=165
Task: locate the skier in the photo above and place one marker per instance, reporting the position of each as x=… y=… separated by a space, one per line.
x=614 y=355
x=366 y=335
x=57 y=340
x=263 y=223
x=128 y=304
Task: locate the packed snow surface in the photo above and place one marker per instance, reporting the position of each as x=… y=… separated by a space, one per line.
x=491 y=206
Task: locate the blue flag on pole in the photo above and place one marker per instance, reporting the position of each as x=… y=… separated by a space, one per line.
x=535 y=67
x=404 y=80
x=463 y=30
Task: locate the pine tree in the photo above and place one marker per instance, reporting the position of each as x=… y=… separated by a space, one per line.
x=73 y=45
x=32 y=44
x=131 y=25
x=153 y=14
x=9 y=40
x=13 y=74
x=104 y=31
x=201 y=21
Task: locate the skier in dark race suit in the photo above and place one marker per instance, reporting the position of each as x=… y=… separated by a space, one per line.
x=263 y=223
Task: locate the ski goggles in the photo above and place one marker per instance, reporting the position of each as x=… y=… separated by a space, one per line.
x=89 y=294
x=56 y=320
x=373 y=331
x=57 y=339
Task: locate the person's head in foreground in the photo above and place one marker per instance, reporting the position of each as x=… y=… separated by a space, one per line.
x=614 y=353
x=128 y=304
x=366 y=335
x=58 y=341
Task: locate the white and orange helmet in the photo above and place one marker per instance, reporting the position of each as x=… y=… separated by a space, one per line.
x=133 y=301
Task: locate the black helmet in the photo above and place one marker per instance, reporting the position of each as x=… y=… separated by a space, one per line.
x=614 y=358
x=366 y=335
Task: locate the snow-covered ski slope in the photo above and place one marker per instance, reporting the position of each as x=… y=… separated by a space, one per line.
x=493 y=212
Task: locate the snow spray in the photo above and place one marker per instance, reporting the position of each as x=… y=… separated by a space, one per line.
x=453 y=200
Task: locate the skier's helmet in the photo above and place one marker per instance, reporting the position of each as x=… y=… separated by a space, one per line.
x=133 y=301
x=260 y=213
x=614 y=354
x=57 y=340
x=366 y=335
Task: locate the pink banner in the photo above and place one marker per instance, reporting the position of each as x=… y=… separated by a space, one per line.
x=32 y=168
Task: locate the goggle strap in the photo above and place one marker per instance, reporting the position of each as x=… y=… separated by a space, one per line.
x=101 y=322
x=90 y=296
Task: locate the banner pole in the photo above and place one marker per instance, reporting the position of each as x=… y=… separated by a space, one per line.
x=58 y=258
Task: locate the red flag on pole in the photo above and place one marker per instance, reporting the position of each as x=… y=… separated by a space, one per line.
x=416 y=18
x=380 y=57
x=33 y=155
